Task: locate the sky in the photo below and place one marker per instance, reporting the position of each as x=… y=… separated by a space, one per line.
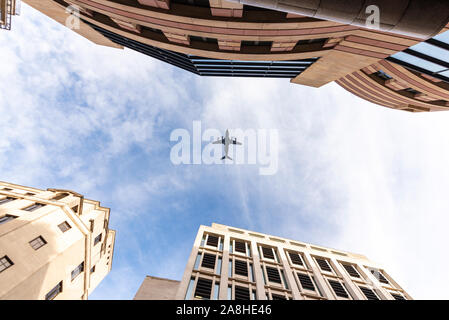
x=351 y=175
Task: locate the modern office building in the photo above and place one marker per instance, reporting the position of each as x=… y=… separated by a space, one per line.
x=54 y=244
x=8 y=8
x=227 y=263
x=401 y=65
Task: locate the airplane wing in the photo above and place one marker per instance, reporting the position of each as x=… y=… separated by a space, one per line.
x=237 y=143
x=217 y=142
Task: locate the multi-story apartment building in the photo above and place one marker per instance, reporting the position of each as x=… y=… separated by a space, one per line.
x=401 y=65
x=227 y=263
x=8 y=8
x=54 y=244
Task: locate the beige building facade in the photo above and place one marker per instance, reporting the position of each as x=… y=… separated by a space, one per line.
x=54 y=244
x=8 y=8
x=234 y=264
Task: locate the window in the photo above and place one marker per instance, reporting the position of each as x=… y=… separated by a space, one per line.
x=382 y=75
x=197 y=262
x=268 y=253
x=273 y=275
x=212 y=241
x=240 y=247
x=97 y=239
x=256 y=43
x=64 y=226
x=77 y=270
x=369 y=294
x=34 y=207
x=379 y=276
x=208 y=261
x=351 y=270
x=339 y=290
x=219 y=266
x=6 y=200
x=411 y=90
x=38 y=243
x=60 y=196
x=324 y=265
x=305 y=281
x=251 y=273
x=216 y=290
x=203 y=288
x=92 y=270
x=277 y=297
x=75 y=209
x=230 y=268
x=30 y=194
x=241 y=293
x=241 y=268
x=5 y=263
x=397 y=296
x=7 y=218
x=54 y=292
x=203 y=39
x=296 y=258
x=190 y=289
x=7 y=189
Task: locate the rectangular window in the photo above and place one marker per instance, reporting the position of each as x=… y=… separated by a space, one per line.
x=5 y=263
x=379 y=276
x=283 y=279
x=306 y=281
x=240 y=247
x=203 y=288
x=75 y=209
x=397 y=296
x=190 y=289
x=54 y=292
x=208 y=261
x=216 y=291
x=296 y=258
x=277 y=297
x=212 y=241
x=34 y=207
x=241 y=268
x=97 y=239
x=92 y=270
x=197 y=262
x=241 y=293
x=369 y=294
x=253 y=295
x=273 y=275
x=77 y=270
x=6 y=200
x=338 y=289
x=60 y=196
x=351 y=270
x=229 y=293
x=64 y=226
x=251 y=272
x=7 y=218
x=37 y=243
x=230 y=269
x=268 y=253
x=219 y=266
x=324 y=265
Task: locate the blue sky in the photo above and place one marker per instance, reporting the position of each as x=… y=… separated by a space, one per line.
x=352 y=175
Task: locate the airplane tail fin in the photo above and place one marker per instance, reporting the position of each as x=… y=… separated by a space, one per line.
x=226 y=157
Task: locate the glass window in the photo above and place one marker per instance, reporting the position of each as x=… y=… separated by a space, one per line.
x=78 y=270
x=5 y=263
x=251 y=272
x=418 y=62
x=190 y=289
x=431 y=50
x=216 y=291
x=54 y=292
x=443 y=37
x=219 y=266
x=37 y=243
x=230 y=269
x=6 y=218
x=229 y=293
x=197 y=261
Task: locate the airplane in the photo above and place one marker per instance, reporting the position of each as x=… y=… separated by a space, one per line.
x=226 y=140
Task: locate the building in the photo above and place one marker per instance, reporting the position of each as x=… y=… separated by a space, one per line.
x=401 y=65
x=8 y=8
x=234 y=264
x=54 y=244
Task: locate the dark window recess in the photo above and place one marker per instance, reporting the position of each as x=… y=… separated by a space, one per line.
x=203 y=39
x=7 y=218
x=38 y=243
x=75 y=209
x=212 y=241
x=379 y=276
x=208 y=261
x=382 y=75
x=92 y=270
x=351 y=270
x=196 y=3
x=241 y=293
x=273 y=275
x=7 y=189
x=5 y=263
x=338 y=289
x=203 y=288
x=241 y=268
x=60 y=196
x=311 y=41
x=240 y=247
x=411 y=90
x=6 y=200
x=369 y=294
x=277 y=297
x=30 y=194
x=97 y=239
x=251 y=8
x=397 y=296
x=34 y=207
x=77 y=270
x=268 y=253
x=64 y=226
x=324 y=265
x=54 y=292
x=296 y=258
x=257 y=43
x=306 y=281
